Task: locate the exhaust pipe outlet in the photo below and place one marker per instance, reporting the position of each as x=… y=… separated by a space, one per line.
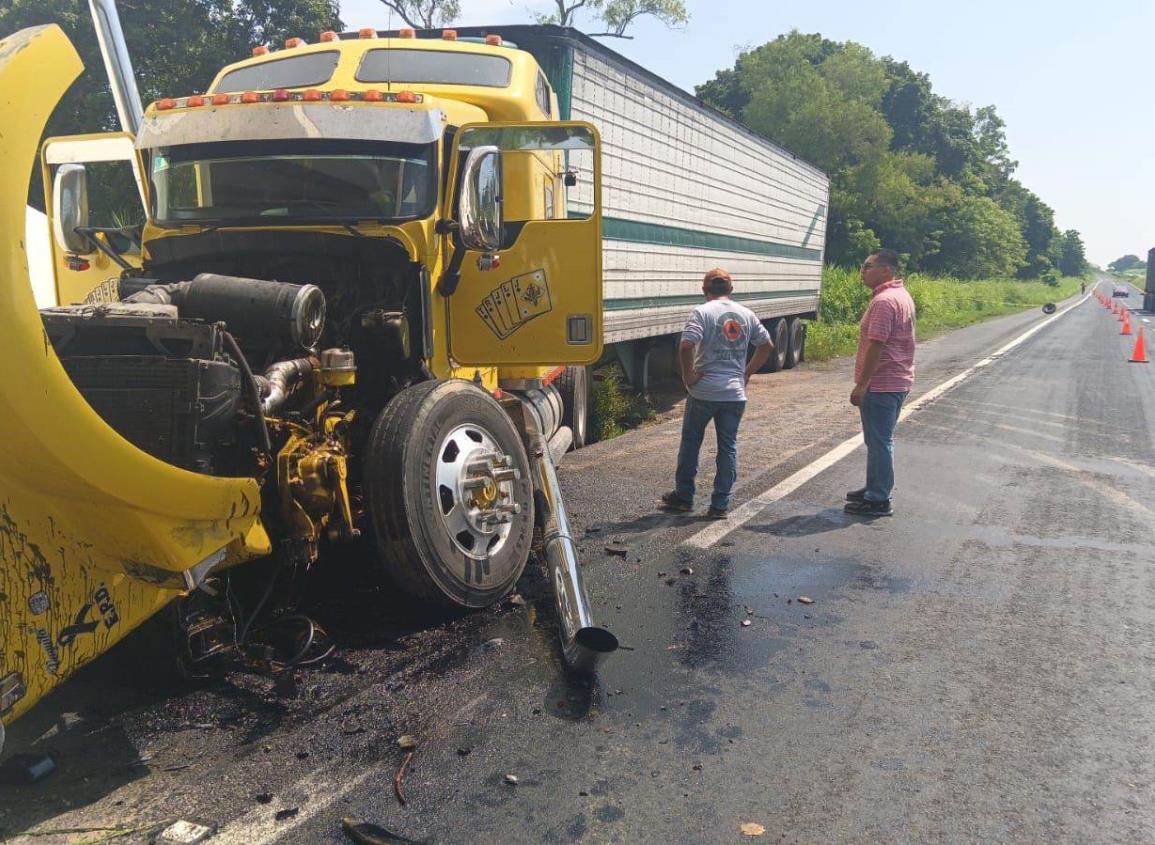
x=583 y=643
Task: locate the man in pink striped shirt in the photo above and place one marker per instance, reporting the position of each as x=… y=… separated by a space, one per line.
x=883 y=375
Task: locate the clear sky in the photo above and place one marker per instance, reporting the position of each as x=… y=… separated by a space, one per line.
x=1073 y=81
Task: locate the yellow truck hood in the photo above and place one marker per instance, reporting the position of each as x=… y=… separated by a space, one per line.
x=95 y=535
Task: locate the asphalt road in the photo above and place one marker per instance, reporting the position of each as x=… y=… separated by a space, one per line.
x=976 y=668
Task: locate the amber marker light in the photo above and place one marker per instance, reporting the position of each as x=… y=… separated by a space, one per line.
x=367 y=32
x=220 y=99
x=165 y=104
x=372 y=96
x=260 y=51
x=280 y=96
x=311 y=96
x=338 y=95
x=493 y=40
x=406 y=97
x=290 y=43
x=195 y=101
x=250 y=97
x=328 y=35
x=449 y=34
x=407 y=32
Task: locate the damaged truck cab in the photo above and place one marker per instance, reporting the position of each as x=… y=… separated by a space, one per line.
x=364 y=263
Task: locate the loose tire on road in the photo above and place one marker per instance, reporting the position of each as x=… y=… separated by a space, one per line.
x=574 y=387
x=428 y=529
x=781 y=339
x=796 y=331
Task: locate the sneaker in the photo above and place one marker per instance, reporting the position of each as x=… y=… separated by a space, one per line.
x=856 y=495
x=868 y=508
x=717 y=513
x=673 y=502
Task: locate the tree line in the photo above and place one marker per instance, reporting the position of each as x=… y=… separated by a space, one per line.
x=909 y=168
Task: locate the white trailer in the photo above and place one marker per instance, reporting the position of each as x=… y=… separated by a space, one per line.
x=684 y=188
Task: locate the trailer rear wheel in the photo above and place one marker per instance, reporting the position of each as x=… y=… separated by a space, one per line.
x=449 y=495
x=781 y=339
x=574 y=387
x=797 y=334
x=805 y=328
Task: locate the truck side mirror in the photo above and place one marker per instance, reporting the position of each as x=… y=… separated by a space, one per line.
x=70 y=209
x=480 y=206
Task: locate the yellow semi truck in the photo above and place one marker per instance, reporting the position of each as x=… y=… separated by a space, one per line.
x=345 y=320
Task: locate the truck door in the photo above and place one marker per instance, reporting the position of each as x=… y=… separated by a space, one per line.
x=94 y=184
x=524 y=285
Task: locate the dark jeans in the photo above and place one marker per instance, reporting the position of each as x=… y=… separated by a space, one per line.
x=879 y=413
x=726 y=416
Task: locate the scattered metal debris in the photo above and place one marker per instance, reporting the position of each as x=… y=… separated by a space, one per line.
x=512 y=780
x=805 y=600
x=745 y=623
x=184 y=832
x=400 y=776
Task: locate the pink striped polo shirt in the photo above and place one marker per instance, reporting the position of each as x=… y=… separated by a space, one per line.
x=890 y=319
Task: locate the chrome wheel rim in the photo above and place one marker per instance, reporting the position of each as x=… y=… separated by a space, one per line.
x=474 y=490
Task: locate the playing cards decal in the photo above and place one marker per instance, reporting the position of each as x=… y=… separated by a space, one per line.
x=514 y=303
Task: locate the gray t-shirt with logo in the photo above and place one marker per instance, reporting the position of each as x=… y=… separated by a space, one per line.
x=721 y=329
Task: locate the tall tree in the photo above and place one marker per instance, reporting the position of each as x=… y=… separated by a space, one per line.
x=616 y=15
x=1072 y=254
x=1126 y=262
x=425 y=14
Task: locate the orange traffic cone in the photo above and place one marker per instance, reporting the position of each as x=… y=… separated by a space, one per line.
x=1139 y=353
x=1126 y=325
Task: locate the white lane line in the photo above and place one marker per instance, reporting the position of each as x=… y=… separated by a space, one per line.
x=318 y=792
x=739 y=517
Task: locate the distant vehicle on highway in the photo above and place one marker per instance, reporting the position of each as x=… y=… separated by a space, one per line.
x=1121 y=290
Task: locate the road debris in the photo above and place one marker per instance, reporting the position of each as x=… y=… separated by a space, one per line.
x=407 y=742
x=496 y=642
x=805 y=600
x=616 y=551
x=687 y=570
x=512 y=780
x=25 y=769
x=751 y=829
x=184 y=832
x=745 y=623
x=286 y=813
x=367 y=833
x=400 y=776
x=263 y=797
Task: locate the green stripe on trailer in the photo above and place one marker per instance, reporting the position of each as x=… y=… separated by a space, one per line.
x=636 y=232
x=630 y=303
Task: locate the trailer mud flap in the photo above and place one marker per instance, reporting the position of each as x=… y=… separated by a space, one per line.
x=95 y=535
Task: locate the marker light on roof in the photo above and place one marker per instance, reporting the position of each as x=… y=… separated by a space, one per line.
x=328 y=35
x=311 y=96
x=250 y=97
x=294 y=42
x=260 y=50
x=406 y=97
x=194 y=101
x=165 y=104
x=493 y=40
x=449 y=34
x=280 y=95
x=367 y=32
x=407 y=32
x=372 y=96
x=338 y=95
x=220 y=99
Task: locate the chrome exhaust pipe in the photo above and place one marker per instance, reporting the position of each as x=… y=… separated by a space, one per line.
x=583 y=643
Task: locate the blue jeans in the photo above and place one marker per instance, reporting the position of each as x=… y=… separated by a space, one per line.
x=879 y=417
x=726 y=416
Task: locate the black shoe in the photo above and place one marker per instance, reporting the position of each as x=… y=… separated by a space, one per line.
x=675 y=504
x=717 y=513
x=868 y=508
x=856 y=495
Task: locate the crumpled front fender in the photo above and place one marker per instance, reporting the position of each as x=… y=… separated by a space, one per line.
x=95 y=535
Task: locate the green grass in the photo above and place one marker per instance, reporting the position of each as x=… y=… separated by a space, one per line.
x=942 y=304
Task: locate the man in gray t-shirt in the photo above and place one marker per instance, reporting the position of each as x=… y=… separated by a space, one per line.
x=715 y=370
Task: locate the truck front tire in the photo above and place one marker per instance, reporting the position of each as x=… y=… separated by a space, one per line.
x=449 y=495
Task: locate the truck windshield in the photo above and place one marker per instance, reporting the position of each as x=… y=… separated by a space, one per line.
x=298 y=181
